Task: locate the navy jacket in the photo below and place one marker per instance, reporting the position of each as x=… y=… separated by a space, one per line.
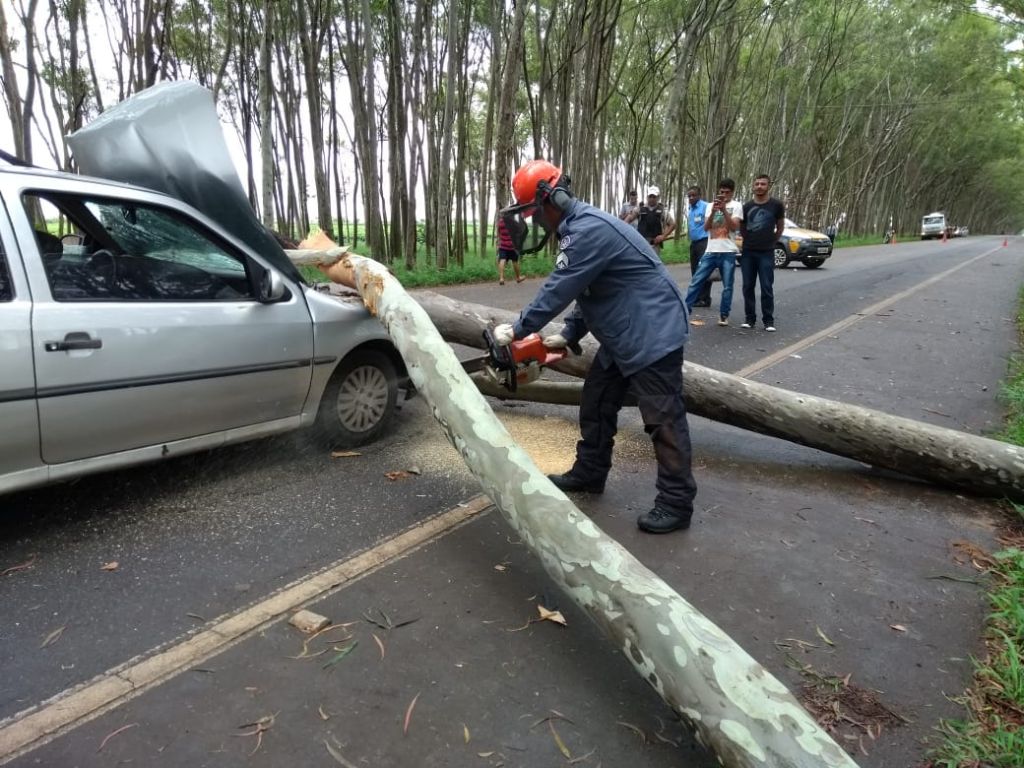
x=623 y=293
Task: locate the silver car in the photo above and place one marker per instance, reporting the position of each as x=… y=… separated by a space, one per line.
x=147 y=331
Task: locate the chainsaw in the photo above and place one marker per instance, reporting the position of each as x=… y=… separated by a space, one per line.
x=517 y=363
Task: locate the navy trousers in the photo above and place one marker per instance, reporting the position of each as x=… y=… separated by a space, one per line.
x=658 y=390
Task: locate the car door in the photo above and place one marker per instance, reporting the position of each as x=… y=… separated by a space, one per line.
x=147 y=328
x=19 y=434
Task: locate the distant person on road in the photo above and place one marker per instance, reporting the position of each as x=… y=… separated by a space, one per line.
x=764 y=218
x=832 y=232
x=507 y=252
x=653 y=220
x=695 y=217
x=630 y=207
x=723 y=221
x=628 y=300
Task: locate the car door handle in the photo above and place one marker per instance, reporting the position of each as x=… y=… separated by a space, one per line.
x=73 y=341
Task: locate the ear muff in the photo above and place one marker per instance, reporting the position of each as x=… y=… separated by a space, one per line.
x=558 y=195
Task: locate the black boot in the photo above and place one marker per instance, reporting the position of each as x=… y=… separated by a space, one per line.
x=570 y=482
x=660 y=520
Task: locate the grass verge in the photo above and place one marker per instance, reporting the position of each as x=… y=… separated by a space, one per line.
x=992 y=733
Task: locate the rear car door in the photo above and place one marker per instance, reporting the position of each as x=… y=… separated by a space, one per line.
x=19 y=433
x=147 y=328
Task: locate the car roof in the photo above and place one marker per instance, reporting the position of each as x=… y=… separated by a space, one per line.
x=47 y=173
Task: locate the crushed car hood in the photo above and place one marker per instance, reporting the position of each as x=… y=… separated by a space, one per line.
x=167 y=138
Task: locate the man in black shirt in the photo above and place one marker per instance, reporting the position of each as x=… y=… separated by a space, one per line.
x=764 y=218
x=652 y=220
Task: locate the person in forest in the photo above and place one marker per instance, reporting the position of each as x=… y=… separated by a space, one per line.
x=723 y=221
x=764 y=218
x=695 y=217
x=627 y=299
x=507 y=252
x=653 y=220
x=631 y=205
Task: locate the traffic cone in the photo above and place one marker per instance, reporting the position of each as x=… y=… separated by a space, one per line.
x=1005 y=243
x=944 y=235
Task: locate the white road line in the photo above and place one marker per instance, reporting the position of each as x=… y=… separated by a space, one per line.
x=59 y=714
x=814 y=338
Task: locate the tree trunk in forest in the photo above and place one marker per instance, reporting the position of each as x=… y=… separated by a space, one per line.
x=504 y=152
x=266 y=119
x=935 y=454
x=311 y=33
x=447 y=138
x=738 y=708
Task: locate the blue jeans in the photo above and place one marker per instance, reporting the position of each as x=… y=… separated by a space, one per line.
x=758 y=267
x=725 y=263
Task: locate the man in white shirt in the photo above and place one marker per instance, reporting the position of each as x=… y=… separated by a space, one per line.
x=723 y=220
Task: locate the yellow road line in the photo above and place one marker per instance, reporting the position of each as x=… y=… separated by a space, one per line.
x=814 y=338
x=61 y=713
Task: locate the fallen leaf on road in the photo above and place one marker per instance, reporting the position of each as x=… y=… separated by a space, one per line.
x=898 y=627
x=408 y=714
x=558 y=741
x=20 y=567
x=112 y=734
x=581 y=758
x=484 y=754
x=414 y=470
x=555 y=616
x=694 y=321
x=54 y=636
x=824 y=637
x=380 y=644
x=465 y=733
x=323 y=713
x=500 y=567
x=345 y=454
x=342 y=653
x=397 y=474
x=111 y=566
x=634 y=729
x=339 y=758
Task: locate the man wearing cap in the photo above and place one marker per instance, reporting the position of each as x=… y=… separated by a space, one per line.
x=653 y=222
x=627 y=299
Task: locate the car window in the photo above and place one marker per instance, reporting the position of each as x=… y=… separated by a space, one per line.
x=118 y=250
x=6 y=289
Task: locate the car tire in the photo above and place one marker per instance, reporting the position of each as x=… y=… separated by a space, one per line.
x=781 y=256
x=358 y=401
x=813 y=263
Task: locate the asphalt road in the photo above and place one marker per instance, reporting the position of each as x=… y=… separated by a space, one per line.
x=199 y=537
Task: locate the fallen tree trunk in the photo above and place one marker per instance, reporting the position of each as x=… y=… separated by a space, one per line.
x=737 y=707
x=943 y=456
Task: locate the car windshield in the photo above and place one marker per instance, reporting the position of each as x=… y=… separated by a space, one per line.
x=933 y=219
x=790 y=224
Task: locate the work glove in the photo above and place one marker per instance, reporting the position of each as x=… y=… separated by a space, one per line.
x=556 y=341
x=503 y=334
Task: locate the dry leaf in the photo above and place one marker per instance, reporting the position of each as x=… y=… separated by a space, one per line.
x=344 y=454
x=824 y=637
x=500 y=568
x=54 y=636
x=558 y=741
x=484 y=754
x=112 y=734
x=111 y=566
x=339 y=758
x=555 y=616
x=323 y=713
x=695 y=321
x=898 y=627
x=408 y=714
x=380 y=644
x=414 y=470
x=465 y=733
x=397 y=474
x=20 y=567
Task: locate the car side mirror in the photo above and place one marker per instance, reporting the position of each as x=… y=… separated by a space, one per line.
x=71 y=239
x=271 y=287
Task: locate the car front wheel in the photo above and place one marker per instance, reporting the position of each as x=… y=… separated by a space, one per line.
x=813 y=263
x=359 y=400
x=781 y=256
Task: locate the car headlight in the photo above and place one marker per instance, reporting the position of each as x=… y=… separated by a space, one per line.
x=794 y=246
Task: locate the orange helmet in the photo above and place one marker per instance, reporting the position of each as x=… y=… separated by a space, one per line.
x=527 y=180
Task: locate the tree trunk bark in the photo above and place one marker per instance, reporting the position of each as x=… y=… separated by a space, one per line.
x=938 y=455
x=737 y=707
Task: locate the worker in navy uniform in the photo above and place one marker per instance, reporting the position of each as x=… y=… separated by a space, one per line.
x=652 y=220
x=626 y=298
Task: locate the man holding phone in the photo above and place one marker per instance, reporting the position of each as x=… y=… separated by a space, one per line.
x=724 y=218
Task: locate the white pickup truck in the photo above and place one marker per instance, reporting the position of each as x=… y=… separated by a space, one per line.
x=146 y=330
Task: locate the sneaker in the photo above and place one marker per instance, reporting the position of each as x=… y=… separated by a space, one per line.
x=702 y=304
x=770 y=328
x=660 y=520
x=723 y=320
x=747 y=325
x=570 y=482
